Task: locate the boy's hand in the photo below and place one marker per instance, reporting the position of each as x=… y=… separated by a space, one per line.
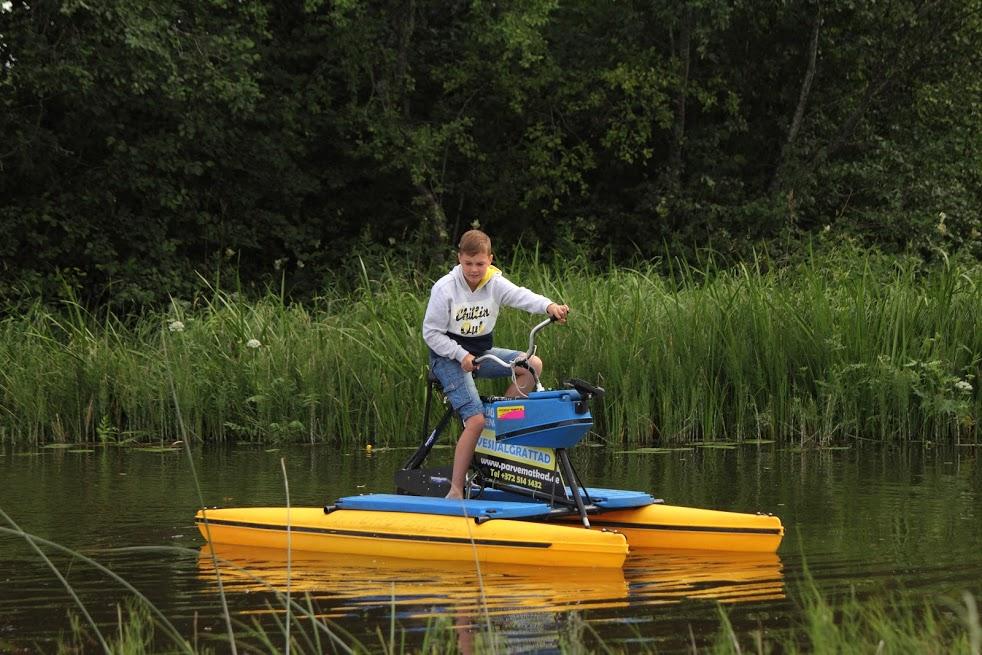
x=558 y=312
x=468 y=364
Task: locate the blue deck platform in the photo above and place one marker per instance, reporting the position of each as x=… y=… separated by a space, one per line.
x=603 y=498
x=493 y=504
x=480 y=508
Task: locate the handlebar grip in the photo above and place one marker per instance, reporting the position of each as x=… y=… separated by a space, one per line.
x=491 y=358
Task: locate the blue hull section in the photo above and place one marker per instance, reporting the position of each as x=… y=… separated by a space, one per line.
x=486 y=509
x=546 y=419
x=604 y=498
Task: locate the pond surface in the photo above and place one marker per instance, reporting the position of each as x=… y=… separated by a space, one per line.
x=863 y=519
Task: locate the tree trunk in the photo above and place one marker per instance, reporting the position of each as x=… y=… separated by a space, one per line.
x=433 y=219
x=678 y=128
x=406 y=29
x=799 y=113
x=433 y=226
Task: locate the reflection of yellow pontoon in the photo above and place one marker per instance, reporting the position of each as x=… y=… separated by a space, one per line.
x=344 y=583
x=657 y=576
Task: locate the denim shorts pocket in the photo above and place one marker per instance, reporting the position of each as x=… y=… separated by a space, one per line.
x=451 y=386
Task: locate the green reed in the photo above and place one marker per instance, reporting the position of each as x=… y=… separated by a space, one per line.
x=895 y=624
x=824 y=351
x=837 y=347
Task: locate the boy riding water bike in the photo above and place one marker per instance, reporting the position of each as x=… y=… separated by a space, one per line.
x=457 y=327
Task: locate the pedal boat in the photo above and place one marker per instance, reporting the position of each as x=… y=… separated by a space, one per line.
x=498 y=529
x=526 y=503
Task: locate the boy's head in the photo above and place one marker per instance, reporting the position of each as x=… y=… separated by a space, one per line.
x=474 y=256
x=474 y=242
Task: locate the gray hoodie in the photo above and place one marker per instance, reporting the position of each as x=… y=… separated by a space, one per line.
x=456 y=315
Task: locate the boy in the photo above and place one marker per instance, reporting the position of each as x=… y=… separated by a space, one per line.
x=457 y=328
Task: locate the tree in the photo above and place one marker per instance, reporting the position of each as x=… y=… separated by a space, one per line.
x=116 y=118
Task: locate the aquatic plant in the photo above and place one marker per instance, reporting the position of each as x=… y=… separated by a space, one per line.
x=895 y=623
x=835 y=348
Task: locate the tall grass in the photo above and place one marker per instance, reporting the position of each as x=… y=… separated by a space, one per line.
x=892 y=625
x=829 y=350
x=844 y=347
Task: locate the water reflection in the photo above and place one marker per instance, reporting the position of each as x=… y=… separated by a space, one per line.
x=345 y=584
x=665 y=576
x=865 y=521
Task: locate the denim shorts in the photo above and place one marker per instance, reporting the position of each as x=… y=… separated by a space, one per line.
x=459 y=387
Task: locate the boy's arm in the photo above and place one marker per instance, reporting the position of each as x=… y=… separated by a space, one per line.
x=436 y=322
x=512 y=295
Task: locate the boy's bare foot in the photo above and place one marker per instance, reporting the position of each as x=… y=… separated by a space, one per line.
x=454 y=494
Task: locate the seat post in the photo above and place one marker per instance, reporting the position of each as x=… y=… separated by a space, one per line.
x=429 y=438
x=426 y=407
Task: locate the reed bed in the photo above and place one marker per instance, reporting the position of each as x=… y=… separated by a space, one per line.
x=893 y=625
x=835 y=348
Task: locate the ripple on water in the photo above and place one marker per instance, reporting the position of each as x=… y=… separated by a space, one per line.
x=872 y=523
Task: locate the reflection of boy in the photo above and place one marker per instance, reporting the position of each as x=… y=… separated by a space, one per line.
x=460 y=316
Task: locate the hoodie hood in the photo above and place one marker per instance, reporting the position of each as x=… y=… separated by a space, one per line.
x=492 y=272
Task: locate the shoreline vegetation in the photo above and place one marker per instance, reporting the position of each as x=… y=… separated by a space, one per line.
x=899 y=623
x=836 y=348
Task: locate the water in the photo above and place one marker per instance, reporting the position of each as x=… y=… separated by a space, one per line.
x=864 y=520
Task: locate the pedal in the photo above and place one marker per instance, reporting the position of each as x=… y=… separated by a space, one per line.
x=434 y=482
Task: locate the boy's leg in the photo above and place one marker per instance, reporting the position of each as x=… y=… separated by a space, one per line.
x=461 y=391
x=526 y=382
x=464 y=453
x=524 y=378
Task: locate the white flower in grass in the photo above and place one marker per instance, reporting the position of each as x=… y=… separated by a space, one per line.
x=253 y=343
x=176 y=326
x=964 y=386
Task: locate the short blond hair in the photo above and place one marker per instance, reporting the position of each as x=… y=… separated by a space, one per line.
x=474 y=242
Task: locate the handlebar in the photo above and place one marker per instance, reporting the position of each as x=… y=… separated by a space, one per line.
x=520 y=360
x=535 y=330
x=528 y=353
x=494 y=358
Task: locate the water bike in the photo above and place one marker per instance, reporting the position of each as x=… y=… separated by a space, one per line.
x=525 y=503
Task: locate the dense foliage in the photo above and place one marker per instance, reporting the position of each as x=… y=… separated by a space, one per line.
x=890 y=352
x=143 y=141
